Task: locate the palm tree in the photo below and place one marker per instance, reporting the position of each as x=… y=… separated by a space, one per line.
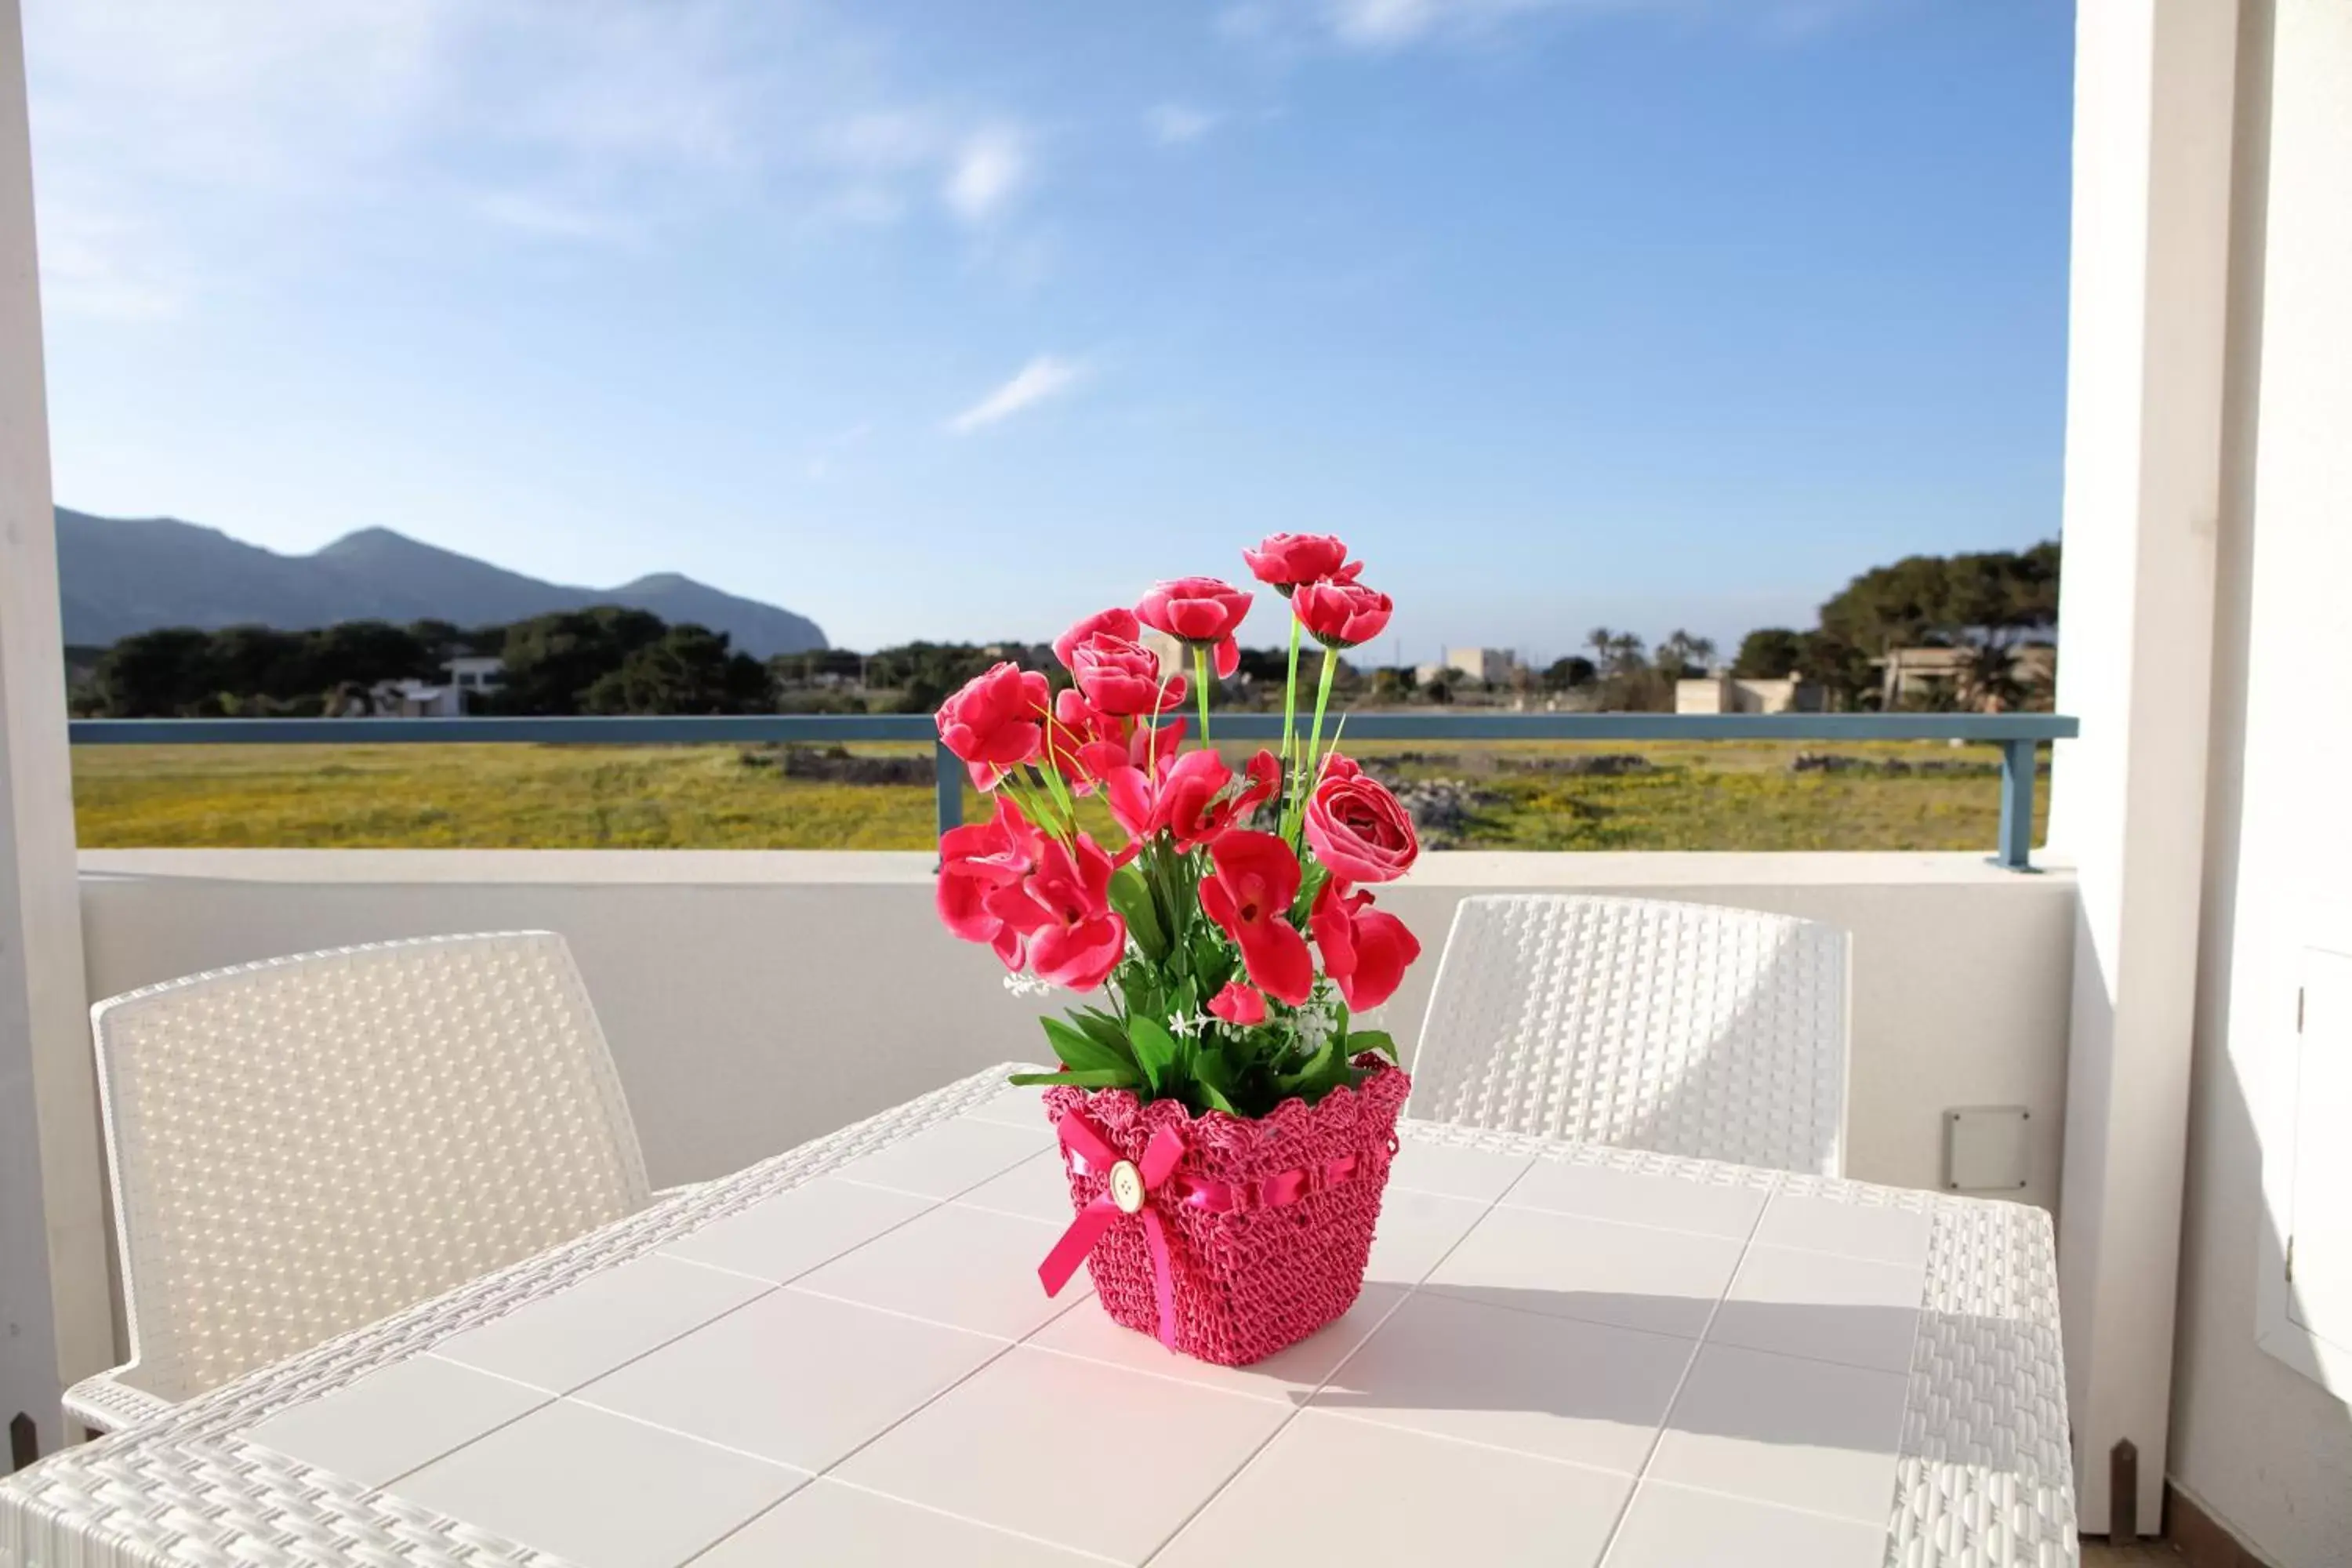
x=1679 y=653
x=1987 y=678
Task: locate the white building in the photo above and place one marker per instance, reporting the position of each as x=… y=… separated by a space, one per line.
x=477 y=672
x=1487 y=666
x=1723 y=692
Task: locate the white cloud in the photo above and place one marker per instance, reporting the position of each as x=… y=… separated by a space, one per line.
x=1047 y=376
x=990 y=168
x=1284 y=28
x=1175 y=124
x=330 y=126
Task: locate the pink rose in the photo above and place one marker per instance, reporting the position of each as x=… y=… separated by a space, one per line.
x=1248 y=896
x=996 y=722
x=1238 y=1003
x=1118 y=622
x=1342 y=615
x=1285 y=560
x=1120 y=676
x=1360 y=832
x=1365 y=951
x=1199 y=611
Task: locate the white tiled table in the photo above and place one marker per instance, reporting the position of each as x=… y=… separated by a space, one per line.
x=1563 y=1355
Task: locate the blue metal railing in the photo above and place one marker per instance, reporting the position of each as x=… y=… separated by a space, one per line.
x=2017 y=735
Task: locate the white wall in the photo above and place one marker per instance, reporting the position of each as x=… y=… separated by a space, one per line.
x=2146 y=349
x=52 y=1266
x=2258 y=1445
x=754 y=1000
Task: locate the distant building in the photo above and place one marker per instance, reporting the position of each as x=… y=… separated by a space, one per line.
x=1173 y=657
x=1920 y=674
x=1723 y=692
x=477 y=672
x=470 y=676
x=1487 y=666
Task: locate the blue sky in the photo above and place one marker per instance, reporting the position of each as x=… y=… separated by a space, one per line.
x=959 y=319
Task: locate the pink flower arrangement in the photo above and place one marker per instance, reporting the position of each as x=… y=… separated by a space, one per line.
x=1223 y=917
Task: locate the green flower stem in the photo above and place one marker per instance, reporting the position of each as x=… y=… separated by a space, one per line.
x=1315 y=741
x=1291 y=696
x=1200 y=687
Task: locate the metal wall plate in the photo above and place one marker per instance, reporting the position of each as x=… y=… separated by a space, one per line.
x=1986 y=1148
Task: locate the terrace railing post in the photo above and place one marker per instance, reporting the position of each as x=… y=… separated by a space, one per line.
x=2018 y=761
x=948 y=774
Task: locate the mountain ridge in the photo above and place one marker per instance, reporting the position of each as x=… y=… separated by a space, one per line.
x=119 y=576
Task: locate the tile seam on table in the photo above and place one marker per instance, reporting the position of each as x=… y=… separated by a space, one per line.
x=567 y=1392
x=863 y=1489
x=1004 y=1347
x=901 y=1313
x=773 y=1288
x=1299 y=1406
x=872 y=1185
x=1459 y=1441
x=1658 y=1434
x=663 y=1250
x=383 y=1488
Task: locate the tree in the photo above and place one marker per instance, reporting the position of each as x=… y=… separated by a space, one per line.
x=1992 y=598
x=1681 y=654
x=1568 y=674
x=688 y=669
x=365 y=652
x=155 y=675
x=1769 y=653
x=1987 y=681
x=552 y=660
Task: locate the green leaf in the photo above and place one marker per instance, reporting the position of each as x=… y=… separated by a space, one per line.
x=1093 y=1077
x=1104 y=1029
x=1214 y=1074
x=1317 y=1073
x=1083 y=1053
x=1155 y=1050
x=1361 y=1040
x=1130 y=895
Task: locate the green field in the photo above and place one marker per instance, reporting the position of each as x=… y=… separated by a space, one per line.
x=1690 y=795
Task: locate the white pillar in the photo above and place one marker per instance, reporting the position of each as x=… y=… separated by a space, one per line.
x=2153 y=128
x=55 y=1321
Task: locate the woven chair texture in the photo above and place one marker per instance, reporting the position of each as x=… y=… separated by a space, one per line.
x=307 y=1145
x=1691 y=1029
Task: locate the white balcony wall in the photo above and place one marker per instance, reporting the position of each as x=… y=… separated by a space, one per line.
x=754 y=1000
x=2259 y=1443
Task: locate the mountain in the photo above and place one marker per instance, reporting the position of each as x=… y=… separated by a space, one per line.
x=120 y=575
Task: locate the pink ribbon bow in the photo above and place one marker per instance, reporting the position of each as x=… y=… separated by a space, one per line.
x=1127 y=1191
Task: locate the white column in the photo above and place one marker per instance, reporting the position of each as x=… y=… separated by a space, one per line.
x=55 y=1322
x=2153 y=128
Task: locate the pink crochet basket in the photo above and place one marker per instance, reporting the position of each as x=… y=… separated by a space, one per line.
x=1267 y=1223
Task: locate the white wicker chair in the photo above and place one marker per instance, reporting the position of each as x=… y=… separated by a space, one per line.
x=1680 y=1029
x=303 y=1146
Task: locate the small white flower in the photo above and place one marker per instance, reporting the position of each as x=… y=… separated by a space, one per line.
x=1188 y=1023
x=1315 y=1024
x=1026 y=985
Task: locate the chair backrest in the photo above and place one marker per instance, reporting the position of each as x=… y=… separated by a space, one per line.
x=307 y=1145
x=1680 y=1029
